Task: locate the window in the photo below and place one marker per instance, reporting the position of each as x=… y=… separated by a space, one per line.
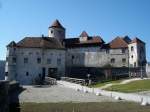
x=6 y=59
x=27 y=73
x=51 y=31
x=134 y=64
x=48 y=61
x=123 y=60
x=13 y=60
x=72 y=57
x=30 y=53
x=38 y=60
x=132 y=48
x=112 y=60
x=58 y=61
x=132 y=56
x=25 y=60
x=123 y=50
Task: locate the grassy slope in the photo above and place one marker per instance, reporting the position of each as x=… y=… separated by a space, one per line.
x=135 y=86
x=84 y=107
x=100 y=84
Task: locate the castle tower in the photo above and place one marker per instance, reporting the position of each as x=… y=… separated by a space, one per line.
x=56 y=30
x=10 y=67
x=137 y=53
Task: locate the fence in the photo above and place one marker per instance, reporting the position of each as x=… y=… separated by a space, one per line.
x=73 y=80
x=50 y=81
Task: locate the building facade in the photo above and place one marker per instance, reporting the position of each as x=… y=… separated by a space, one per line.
x=37 y=57
x=2 y=70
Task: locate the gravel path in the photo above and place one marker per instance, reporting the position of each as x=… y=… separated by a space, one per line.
x=58 y=93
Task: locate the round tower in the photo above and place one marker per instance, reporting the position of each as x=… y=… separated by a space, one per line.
x=56 y=30
x=10 y=68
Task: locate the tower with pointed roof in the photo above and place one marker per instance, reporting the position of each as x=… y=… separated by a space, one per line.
x=56 y=30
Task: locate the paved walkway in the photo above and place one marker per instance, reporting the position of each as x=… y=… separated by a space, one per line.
x=58 y=93
x=125 y=96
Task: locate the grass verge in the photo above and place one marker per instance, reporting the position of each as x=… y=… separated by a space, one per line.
x=100 y=84
x=83 y=107
x=135 y=86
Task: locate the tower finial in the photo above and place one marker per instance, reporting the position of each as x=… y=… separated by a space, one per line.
x=56 y=24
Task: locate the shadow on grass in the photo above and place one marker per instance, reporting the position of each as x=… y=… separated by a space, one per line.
x=14 y=105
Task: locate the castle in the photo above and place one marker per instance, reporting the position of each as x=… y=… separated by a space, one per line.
x=52 y=55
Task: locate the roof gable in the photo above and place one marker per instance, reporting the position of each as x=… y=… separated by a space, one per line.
x=118 y=42
x=137 y=40
x=83 y=34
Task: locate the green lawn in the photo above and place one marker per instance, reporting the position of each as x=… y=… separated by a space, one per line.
x=100 y=84
x=135 y=86
x=83 y=107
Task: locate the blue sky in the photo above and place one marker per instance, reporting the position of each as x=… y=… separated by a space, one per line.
x=107 y=18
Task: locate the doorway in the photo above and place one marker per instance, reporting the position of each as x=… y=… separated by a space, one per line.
x=52 y=72
x=43 y=73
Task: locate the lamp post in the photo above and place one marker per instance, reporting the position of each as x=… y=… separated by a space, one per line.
x=141 y=73
x=88 y=76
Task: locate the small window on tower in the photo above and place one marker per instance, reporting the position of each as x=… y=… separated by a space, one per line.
x=13 y=60
x=6 y=59
x=132 y=56
x=132 y=48
x=51 y=31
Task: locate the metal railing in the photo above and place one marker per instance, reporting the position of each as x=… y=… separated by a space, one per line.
x=50 y=81
x=74 y=80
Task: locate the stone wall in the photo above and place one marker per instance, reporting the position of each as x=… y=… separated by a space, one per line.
x=27 y=73
x=2 y=70
x=94 y=57
x=98 y=74
x=4 y=99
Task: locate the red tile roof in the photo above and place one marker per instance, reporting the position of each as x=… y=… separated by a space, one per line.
x=40 y=42
x=91 y=41
x=118 y=42
x=56 y=24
